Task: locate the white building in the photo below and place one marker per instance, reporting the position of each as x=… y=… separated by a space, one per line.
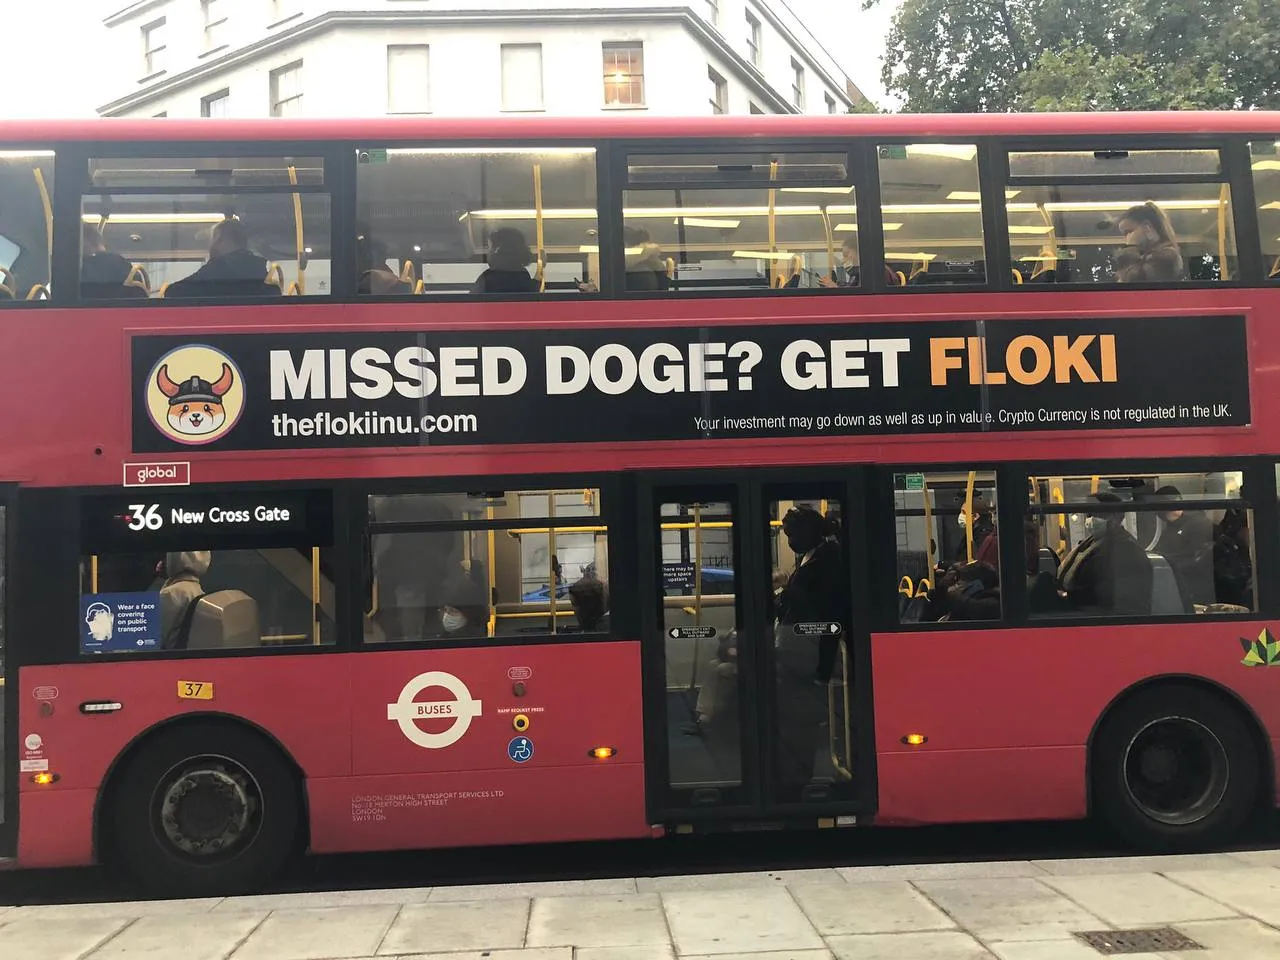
x=259 y=58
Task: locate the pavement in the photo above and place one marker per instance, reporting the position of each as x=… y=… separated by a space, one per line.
x=1228 y=904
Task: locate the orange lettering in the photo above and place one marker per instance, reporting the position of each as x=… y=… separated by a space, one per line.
x=1043 y=359
x=940 y=360
x=1068 y=355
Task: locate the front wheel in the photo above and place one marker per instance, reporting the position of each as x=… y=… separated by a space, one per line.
x=203 y=809
x=1174 y=768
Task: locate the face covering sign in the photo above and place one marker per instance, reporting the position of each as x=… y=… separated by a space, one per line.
x=278 y=391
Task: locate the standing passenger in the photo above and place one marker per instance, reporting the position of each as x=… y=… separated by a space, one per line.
x=181 y=588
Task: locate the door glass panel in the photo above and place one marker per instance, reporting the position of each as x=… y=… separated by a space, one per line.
x=4 y=585
x=810 y=615
x=698 y=583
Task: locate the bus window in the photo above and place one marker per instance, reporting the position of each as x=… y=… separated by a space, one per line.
x=1265 y=155
x=206 y=599
x=494 y=564
x=205 y=227
x=705 y=223
x=948 y=552
x=1103 y=216
x=1157 y=545
x=481 y=221
x=932 y=214
x=26 y=215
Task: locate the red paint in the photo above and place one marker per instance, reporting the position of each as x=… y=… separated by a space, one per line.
x=1017 y=707
x=329 y=714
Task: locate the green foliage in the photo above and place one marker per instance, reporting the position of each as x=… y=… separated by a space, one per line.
x=1002 y=55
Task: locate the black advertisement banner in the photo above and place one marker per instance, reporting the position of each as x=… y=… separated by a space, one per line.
x=394 y=389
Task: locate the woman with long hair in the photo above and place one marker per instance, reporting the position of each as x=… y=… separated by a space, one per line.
x=1151 y=253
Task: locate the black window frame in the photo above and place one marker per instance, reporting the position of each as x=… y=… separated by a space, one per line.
x=57 y=148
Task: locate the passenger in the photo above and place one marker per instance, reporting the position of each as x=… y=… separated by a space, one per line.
x=816 y=592
x=646 y=267
x=967 y=591
x=232 y=269
x=847 y=274
x=1232 y=558
x=374 y=276
x=1186 y=541
x=1108 y=571
x=102 y=274
x=988 y=541
x=181 y=588
x=590 y=598
x=509 y=258
x=722 y=673
x=1151 y=251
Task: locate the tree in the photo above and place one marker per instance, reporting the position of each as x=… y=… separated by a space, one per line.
x=998 y=55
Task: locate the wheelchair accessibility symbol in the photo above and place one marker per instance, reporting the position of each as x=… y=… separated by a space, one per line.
x=520 y=749
x=407 y=711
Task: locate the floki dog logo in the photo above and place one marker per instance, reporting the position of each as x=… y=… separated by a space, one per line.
x=195 y=394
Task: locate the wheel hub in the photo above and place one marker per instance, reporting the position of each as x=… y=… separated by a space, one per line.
x=207 y=809
x=1176 y=770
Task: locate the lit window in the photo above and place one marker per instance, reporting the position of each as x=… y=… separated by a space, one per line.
x=408 y=78
x=286 y=91
x=522 y=76
x=623 y=74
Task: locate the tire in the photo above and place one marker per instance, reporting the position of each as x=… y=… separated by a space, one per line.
x=204 y=809
x=1175 y=769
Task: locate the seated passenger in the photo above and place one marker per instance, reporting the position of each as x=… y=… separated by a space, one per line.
x=1108 y=571
x=181 y=588
x=1151 y=251
x=645 y=265
x=374 y=277
x=967 y=591
x=509 y=259
x=590 y=599
x=232 y=269
x=102 y=274
x=1186 y=541
x=847 y=274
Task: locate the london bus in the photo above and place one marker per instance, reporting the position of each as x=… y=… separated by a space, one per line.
x=407 y=483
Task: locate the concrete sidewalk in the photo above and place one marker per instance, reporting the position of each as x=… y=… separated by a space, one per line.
x=1228 y=904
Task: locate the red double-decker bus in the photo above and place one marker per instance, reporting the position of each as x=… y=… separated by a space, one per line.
x=386 y=484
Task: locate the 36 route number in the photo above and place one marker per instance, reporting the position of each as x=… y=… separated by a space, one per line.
x=145 y=516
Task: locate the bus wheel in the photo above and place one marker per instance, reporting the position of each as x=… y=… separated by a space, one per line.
x=203 y=809
x=1175 y=768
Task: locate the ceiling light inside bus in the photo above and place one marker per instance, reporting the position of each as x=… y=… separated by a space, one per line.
x=837 y=191
x=853 y=227
x=1043 y=228
x=24 y=154
x=705 y=222
x=900 y=255
x=155 y=218
x=975 y=195
x=1119 y=206
x=491 y=151
x=762 y=254
x=1267 y=165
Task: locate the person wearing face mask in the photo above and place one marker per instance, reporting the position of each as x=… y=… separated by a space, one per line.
x=1186 y=541
x=846 y=275
x=816 y=592
x=1151 y=253
x=1108 y=571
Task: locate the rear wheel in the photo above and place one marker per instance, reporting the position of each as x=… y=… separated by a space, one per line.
x=203 y=809
x=1175 y=768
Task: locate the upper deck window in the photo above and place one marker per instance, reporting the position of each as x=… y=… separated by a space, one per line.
x=205 y=227
x=739 y=221
x=1120 y=216
x=1265 y=157
x=26 y=211
x=932 y=214
x=484 y=220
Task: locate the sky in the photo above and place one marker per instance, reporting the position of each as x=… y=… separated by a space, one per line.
x=63 y=73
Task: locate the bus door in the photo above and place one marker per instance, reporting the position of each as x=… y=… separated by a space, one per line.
x=757 y=705
x=8 y=689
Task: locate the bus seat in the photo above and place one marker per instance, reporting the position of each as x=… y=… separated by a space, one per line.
x=1166 y=595
x=224 y=619
x=1048 y=561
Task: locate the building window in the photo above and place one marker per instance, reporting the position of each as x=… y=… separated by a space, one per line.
x=719 y=92
x=623 y=74
x=216 y=104
x=286 y=91
x=797 y=85
x=408 y=78
x=153 y=47
x=278 y=10
x=753 y=39
x=831 y=103
x=713 y=12
x=754 y=108
x=162 y=113
x=522 y=76
x=215 y=21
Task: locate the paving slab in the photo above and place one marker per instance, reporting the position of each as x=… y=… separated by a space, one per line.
x=126 y=909
x=70 y=939
x=1231 y=940
x=942 y=871
x=625 y=921
x=318 y=933
x=889 y=907
x=1094 y=866
x=537 y=953
x=446 y=927
x=944 y=945
x=751 y=920
x=1251 y=890
x=1138 y=899
x=325 y=898
x=737 y=881
x=563 y=888
x=1065 y=950
x=646 y=951
x=1008 y=909
x=201 y=937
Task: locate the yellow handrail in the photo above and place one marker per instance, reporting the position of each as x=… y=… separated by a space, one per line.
x=301 y=246
x=47 y=204
x=138 y=278
x=968 y=515
x=539 y=242
x=36 y=290
x=8 y=284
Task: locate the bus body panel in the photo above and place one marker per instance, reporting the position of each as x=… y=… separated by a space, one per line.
x=1017 y=707
x=344 y=716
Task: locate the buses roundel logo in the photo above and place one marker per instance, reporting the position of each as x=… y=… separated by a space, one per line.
x=408 y=711
x=195 y=394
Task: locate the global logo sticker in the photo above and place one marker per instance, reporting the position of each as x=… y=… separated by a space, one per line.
x=408 y=711
x=195 y=394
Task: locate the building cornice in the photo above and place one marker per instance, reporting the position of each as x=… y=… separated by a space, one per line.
x=325 y=23
x=840 y=84
x=131 y=11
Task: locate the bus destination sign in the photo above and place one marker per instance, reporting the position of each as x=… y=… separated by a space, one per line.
x=278 y=391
